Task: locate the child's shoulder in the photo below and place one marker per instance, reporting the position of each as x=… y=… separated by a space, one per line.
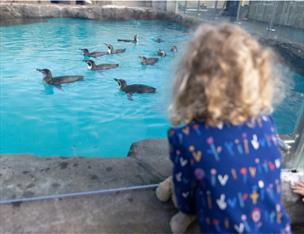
x=185 y=129
x=176 y=129
x=197 y=126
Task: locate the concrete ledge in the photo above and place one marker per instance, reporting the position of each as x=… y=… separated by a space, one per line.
x=27 y=175
x=123 y=212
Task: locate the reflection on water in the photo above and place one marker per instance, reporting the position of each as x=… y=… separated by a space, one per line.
x=17 y=21
x=48 y=89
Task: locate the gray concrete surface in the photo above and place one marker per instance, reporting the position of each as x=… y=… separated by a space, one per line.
x=27 y=175
x=129 y=212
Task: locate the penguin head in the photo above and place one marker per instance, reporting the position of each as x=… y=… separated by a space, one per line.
x=143 y=58
x=46 y=72
x=110 y=48
x=161 y=52
x=174 y=48
x=85 y=51
x=122 y=83
x=135 y=38
x=90 y=63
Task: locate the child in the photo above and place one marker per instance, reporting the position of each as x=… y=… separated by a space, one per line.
x=226 y=157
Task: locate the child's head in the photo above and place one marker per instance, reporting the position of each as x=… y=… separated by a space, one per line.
x=225 y=76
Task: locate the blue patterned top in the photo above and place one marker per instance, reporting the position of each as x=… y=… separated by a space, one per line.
x=229 y=176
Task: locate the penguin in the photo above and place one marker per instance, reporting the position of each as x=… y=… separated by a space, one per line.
x=57 y=81
x=158 y=40
x=134 y=88
x=112 y=51
x=161 y=53
x=148 y=61
x=135 y=39
x=93 y=54
x=174 y=49
x=92 y=66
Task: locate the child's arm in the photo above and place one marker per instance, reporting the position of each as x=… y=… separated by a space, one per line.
x=182 y=176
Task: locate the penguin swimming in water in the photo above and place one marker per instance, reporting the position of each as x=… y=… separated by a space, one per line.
x=148 y=61
x=92 y=66
x=134 y=88
x=135 y=39
x=158 y=40
x=174 y=49
x=112 y=51
x=57 y=81
x=161 y=53
x=93 y=54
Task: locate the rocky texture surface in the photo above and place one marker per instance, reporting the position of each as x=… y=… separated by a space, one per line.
x=108 y=12
x=131 y=211
x=292 y=54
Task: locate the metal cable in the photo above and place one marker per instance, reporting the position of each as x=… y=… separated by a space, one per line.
x=76 y=194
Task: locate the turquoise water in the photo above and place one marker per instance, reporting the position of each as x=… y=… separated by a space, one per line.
x=91 y=117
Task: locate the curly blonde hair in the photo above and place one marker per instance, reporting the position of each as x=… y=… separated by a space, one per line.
x=225 y=76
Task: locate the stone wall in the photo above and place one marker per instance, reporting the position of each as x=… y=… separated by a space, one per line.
x=24 y=1
x=132 y=3
x=98 y=12
x=74 y=11
x=142 y=3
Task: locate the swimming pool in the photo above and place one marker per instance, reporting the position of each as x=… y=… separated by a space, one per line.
x=92 y=117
